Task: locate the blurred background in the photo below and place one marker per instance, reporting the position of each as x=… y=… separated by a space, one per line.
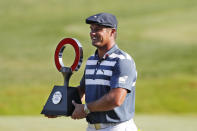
x=161 y=36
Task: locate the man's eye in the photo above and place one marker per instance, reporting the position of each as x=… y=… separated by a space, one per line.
x=98 y=29
x=94 y=30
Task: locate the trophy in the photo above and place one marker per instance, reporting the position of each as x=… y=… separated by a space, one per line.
x=59 y=102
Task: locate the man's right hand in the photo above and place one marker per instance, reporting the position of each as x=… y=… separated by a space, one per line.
x=49 y=116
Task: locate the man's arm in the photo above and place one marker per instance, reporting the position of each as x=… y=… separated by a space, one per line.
x=109 y=101
x=81 y=92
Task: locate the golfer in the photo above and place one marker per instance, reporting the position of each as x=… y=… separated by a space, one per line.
x=108 y=82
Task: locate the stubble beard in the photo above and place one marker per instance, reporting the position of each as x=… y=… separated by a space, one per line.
x=97 y=43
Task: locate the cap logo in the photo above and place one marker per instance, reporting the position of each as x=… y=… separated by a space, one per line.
x=95 y=16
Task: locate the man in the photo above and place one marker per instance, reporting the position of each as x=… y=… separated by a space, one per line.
x=108 y=81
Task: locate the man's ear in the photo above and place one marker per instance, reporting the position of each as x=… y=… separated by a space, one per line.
x=113 y=32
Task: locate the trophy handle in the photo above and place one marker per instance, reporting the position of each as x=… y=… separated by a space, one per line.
x=66 y=72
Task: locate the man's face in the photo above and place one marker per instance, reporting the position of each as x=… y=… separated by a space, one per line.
x=99 y=35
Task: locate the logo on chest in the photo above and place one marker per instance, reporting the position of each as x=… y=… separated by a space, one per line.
x=122 y=79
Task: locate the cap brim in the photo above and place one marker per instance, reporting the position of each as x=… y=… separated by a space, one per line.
x=95 y=22
x=91 y=22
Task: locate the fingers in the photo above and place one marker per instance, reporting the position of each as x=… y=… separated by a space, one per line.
x=78 y=112
x=73 y=116
x=73 y=102
x=76 y=116
x=50 y=116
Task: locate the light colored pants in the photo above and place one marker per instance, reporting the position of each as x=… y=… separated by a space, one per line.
x=124 y=126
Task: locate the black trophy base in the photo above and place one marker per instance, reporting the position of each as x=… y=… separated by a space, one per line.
x=59 y=102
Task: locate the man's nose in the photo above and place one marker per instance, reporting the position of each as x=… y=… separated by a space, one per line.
x=92 y=33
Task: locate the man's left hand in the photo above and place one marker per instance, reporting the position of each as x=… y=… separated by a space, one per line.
x=79 y=111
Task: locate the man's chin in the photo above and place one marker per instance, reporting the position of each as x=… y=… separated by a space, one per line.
x=95 y=44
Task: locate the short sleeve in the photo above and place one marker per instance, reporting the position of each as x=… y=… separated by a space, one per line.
x=124 y=74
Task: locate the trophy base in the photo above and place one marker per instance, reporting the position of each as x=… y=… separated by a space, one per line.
x=59 y=102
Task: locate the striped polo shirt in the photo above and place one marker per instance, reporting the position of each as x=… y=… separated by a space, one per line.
x=115 y=70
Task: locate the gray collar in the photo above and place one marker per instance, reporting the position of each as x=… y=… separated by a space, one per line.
x=109 y=52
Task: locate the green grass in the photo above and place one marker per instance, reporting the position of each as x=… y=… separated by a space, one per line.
x=160 y=35
x=144 y=123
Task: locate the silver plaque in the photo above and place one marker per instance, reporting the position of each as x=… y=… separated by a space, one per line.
x=57 y=96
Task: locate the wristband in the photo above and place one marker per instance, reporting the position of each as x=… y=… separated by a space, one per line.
x=86 y=110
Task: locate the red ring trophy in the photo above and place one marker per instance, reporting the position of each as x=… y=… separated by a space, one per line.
x=59 y=102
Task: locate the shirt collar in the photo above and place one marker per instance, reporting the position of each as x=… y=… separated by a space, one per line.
x=109 y=52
